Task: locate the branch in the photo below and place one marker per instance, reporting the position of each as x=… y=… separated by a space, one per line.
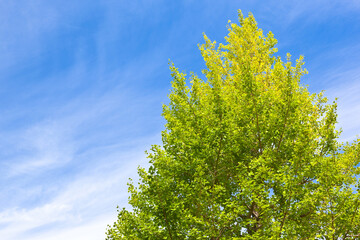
x=257 y=123
x=285 y=121
x=167 y=223
x=284 y=218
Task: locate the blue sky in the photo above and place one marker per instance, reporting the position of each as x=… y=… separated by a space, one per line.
x=83 y=83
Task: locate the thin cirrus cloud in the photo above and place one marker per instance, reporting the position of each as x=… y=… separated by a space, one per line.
x=77 y=204
x=348 y=100
x=83 y=84
x=340 y=78
x=94 y=184
x=65 y=164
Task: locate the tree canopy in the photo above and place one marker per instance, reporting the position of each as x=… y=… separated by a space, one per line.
x=247 y=153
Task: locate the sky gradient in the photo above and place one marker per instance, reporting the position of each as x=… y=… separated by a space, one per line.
x=83 y=83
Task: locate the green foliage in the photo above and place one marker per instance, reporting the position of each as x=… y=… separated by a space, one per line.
x=247 y=153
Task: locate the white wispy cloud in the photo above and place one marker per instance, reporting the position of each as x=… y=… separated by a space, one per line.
x=85 y=198
x=88 y=200
x=45 y=146
x=348 y=105
x=69 y=169
x=339 y=75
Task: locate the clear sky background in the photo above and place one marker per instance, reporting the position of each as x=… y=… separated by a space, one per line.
x=82 y=85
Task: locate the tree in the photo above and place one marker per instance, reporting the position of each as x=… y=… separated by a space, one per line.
x=247 y=153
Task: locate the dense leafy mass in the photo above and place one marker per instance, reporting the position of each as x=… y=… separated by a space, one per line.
x=247 y=153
